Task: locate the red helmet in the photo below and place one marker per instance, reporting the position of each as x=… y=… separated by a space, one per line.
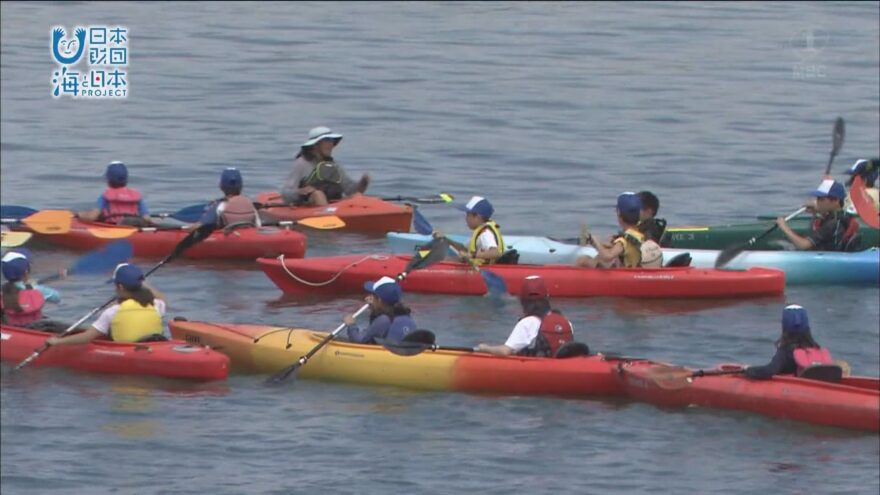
x=533 y=288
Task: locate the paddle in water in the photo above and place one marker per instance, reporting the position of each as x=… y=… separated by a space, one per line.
x=190 y=240
x=727 y=255
x=437 y=253
x=97 y=261
x=495 y=285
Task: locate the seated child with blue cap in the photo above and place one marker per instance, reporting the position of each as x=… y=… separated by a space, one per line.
x=625 y=249
x=118 y=204
x=234 y=208
x=389 y=318
x=796 y=350
x=136 y=316
x=22 y=301
x=833 y=228
x=486 y=244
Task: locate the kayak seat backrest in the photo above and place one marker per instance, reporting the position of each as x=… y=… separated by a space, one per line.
x=420 y=336
x=237 y=225
x=823 y=372
x=681 y=259
x=153 y=337
x=572 y=349
x=509 y=257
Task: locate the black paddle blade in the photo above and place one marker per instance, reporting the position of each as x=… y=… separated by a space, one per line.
x=194 y=237
x=281 y=376
x=837 y=136
x=437 y=249
x=403 y=348
x=727 y=255
x=421 y=336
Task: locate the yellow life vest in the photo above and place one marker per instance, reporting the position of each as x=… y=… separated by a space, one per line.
x=632 y=241
x=472 y=244
x=133 y=322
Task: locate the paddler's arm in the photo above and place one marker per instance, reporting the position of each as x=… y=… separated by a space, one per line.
x=81 y=338
x=498 y=350
x=606 y=253
x=800 y=242
x=776 y=366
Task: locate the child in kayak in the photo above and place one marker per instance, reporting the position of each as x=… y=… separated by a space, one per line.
x=541 y=331
x=833 y=229
x=486 y=244
x=23 y=301
x=625 y=249
x=119 y=203
x=235 y=208
x=796 y=349
x=136 y=316
x=389 y=318
x=653 y=228
x=316 y=178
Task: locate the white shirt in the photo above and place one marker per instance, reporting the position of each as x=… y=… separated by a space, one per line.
x=524 y=333
x=486 y=240
x=102 y=324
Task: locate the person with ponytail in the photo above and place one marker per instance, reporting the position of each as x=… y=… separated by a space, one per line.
x=390 y=319
x=796 y=350
x=22 y=301
x=136 y=316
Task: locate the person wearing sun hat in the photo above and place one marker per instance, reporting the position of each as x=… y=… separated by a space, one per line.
x=833 y=228
x=390 y=319
x=22 y=301
x=118 y=203
x=316 y=178
x=136 y=316
x=541 y=331
x=796 y=349
x=235 y=208
x=625 y=249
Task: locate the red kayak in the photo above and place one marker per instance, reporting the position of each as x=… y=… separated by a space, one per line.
x=364 y=214
x=853 y=403
x=242 y=243
x=340 y=274
x=171 y=359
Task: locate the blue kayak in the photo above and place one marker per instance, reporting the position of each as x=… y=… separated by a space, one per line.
x=800 y=267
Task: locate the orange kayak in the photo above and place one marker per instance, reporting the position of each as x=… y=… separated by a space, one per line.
x=365 y=214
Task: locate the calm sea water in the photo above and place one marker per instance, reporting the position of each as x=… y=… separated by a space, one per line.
x=550 y=110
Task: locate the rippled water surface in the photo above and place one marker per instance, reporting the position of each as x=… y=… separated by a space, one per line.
x=550 y=110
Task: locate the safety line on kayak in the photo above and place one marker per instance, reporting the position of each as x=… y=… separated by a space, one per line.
x=334 y=277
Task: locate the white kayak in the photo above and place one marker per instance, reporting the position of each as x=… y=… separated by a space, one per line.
x=800 y=267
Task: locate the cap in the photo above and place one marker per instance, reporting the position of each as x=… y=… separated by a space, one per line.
x=116 y=174
x=16 y=264
x=533 y=288
x=479 y=205
x=795 y=320
x=830 y=189
x=629 y=202
x=129 y=276
x=230 y=180
x=386 y=288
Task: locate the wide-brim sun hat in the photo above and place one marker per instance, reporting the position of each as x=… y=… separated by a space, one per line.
x=320 y=133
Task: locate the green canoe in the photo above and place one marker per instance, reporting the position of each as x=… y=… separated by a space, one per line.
x=722 y=236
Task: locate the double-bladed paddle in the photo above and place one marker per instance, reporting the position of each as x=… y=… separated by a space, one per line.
x=98 y=261
x=678 y=377
x=10 y=239
x=190 y=240
x=725 y=256
x=495 y=285
x=436 y=253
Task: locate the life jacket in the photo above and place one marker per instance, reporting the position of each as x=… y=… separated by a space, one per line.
x=472 y=244
x=400 y=326
x=133 y=322
x=31 y=302
x=651 y=254
x=121 y=202
x=812 y=356
x=846 y=231
x=327 y=177
x=632 y=240
x=237 y=210
x=555 y=331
